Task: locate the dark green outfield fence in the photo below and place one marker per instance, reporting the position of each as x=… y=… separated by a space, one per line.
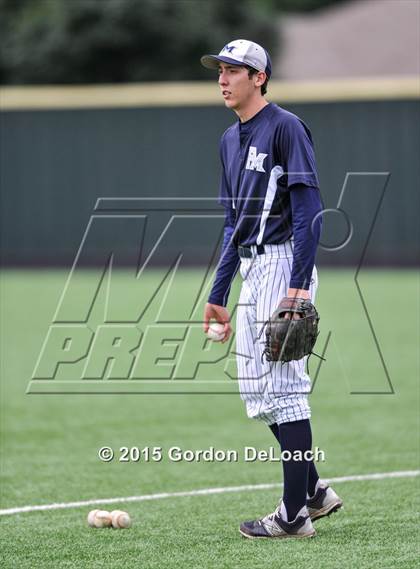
x=55 y=164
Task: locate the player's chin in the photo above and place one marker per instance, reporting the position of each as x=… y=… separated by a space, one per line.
x=230 y=103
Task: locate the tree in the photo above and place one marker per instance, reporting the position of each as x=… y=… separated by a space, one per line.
x=106 y=41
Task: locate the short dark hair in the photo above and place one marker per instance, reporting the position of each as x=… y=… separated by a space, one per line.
x=251 y=72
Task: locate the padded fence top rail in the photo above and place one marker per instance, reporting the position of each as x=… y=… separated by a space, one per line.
x=170 y=94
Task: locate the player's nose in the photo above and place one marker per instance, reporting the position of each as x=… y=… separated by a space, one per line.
x=222 y=78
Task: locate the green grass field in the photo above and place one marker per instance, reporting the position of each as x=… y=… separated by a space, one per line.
x=50 y=444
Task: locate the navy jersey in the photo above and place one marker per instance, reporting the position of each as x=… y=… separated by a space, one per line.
x=269 y=189
x=262 y=158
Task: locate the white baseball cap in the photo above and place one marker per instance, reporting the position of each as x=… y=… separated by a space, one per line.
x=240 y=52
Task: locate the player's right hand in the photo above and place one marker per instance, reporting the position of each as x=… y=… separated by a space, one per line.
x=221 y=315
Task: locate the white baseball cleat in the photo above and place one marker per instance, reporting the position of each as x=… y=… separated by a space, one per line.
x=324 y=502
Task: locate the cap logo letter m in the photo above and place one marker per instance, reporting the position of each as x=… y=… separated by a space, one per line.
x=255 y=161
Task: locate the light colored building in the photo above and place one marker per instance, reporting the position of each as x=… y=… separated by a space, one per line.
x=356 y=39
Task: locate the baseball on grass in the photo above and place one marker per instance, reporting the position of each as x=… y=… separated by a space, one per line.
x=91 y=518
x=120 y=519
x=216 y=332
x=99 y=519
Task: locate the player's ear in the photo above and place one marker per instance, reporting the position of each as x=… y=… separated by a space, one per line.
x=259 y=78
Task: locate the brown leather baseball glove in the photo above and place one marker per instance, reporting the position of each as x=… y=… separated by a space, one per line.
x=288 y=338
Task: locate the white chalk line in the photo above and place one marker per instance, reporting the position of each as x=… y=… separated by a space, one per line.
x=202 y=492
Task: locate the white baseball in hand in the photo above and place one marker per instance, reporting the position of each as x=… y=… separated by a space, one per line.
x=216 y=332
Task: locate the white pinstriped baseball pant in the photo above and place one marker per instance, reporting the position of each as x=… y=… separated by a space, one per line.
x=273 y=392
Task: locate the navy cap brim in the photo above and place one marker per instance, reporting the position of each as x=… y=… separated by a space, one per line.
x=212 y=61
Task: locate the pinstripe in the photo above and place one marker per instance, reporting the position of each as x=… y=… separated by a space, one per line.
x=272 y=392
x=267 y=311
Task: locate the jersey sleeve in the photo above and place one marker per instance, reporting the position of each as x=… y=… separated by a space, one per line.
x=228 y=263
x=296 y=152
x=225 y=191
x=229 y=258
x=306 y=218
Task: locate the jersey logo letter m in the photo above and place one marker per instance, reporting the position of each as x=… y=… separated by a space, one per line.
x=255 y=161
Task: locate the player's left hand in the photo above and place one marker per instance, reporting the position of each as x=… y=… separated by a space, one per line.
x=294 y=340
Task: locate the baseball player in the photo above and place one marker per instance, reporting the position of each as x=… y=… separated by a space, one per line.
x=269 y=189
